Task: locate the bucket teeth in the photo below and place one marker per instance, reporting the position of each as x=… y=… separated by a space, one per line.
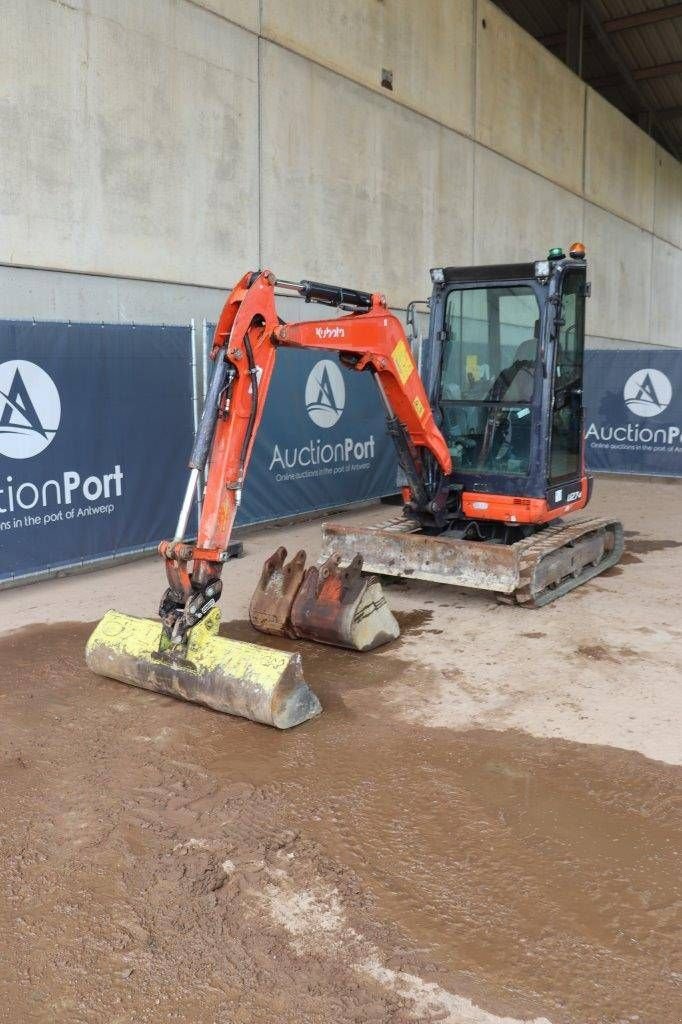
x=330 y=603
x=227 y=675
x=270 y=607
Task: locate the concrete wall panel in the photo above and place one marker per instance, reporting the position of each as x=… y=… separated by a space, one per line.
x=130 y=140
x=130 y=146
x=619 y=258
x=26 y=294
x=529 y=106
x=666 y=295
x=668 y=204
x=373 y=198
x=370 y=198
x=619 y=163
x=519 y=215
x=427 y=45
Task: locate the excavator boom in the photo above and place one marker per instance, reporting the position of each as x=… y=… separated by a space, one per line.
x=245 y=345
x=182 y=654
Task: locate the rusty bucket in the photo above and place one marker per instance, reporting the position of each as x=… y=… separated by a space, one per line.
x=332 y=604
x=270 y=607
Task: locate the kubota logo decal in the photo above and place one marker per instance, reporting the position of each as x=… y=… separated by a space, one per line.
x=329 y=332
x=30 y=409
x=325 y=393
x=647 y=392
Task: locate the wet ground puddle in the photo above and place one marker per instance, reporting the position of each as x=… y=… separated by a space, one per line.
x=548 y=869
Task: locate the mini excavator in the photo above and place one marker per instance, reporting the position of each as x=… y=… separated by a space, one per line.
x=490 y=448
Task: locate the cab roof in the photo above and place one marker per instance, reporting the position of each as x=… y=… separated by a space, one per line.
x=494 y=272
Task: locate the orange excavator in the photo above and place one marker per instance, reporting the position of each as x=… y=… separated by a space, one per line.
x=490 y=447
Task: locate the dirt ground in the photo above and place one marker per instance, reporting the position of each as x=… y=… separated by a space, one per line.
x=483 y=827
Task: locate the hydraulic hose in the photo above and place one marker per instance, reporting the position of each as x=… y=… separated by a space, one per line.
x=209 y=416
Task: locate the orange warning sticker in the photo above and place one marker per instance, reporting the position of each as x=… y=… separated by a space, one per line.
x=418 y=407
x=403 y=361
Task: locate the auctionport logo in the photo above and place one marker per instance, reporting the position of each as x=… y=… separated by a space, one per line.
x=30 y=409
x=647 y=392
x=325 y=401
x=325 y=394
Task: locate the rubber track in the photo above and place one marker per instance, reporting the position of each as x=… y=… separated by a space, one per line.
x=553 y=539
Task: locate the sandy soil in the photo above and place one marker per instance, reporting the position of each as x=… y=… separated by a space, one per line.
x=482 y=827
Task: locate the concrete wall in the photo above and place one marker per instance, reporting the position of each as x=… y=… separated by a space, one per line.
x=375 y=189
x=130 y=139
x=428 y=47
x=184 y=141
x=619 y=163
x=528 y=104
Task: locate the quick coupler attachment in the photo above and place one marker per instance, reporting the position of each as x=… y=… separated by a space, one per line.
x=332 y=604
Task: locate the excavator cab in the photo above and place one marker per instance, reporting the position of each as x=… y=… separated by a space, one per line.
x=503 y=367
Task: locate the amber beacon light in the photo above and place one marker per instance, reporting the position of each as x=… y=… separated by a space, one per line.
x=577 y=251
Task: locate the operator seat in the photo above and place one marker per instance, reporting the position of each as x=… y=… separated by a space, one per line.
x=521 y=386
x=515 y=382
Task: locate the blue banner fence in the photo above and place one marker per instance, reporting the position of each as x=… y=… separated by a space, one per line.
x=96 y=423
x=633 y=411
x=94 y=428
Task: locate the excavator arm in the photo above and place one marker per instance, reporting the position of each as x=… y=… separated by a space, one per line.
x=245 y=344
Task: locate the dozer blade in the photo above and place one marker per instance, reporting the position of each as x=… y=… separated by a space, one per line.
x=226 y=675
x=270 y=607
x=331 y=604
x=532 y=572
x=397 y=548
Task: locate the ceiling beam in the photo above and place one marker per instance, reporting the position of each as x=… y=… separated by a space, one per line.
x=631 y=85
x=657 y=71
x=643 y=18
x=621 y=24
x=556 y=39
x=575 y=21
x=605 y=82
x=669 y=114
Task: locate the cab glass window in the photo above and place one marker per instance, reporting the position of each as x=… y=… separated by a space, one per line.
x=491 y=344
x=568 y=376
x=488 y=377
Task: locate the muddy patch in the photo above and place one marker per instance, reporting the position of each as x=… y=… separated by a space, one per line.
x=635 y=546
x=646 y=545
x=607 y=652
x=331 y=671
x=176 y=864
x=413 y=621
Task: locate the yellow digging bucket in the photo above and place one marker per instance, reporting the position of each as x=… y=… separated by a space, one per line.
x=226 y=675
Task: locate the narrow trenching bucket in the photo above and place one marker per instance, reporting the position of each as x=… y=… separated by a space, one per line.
x=331 y=603
x=270 y=607
x=227 y=675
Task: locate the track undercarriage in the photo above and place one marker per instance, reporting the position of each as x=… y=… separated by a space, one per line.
x=531 y=572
